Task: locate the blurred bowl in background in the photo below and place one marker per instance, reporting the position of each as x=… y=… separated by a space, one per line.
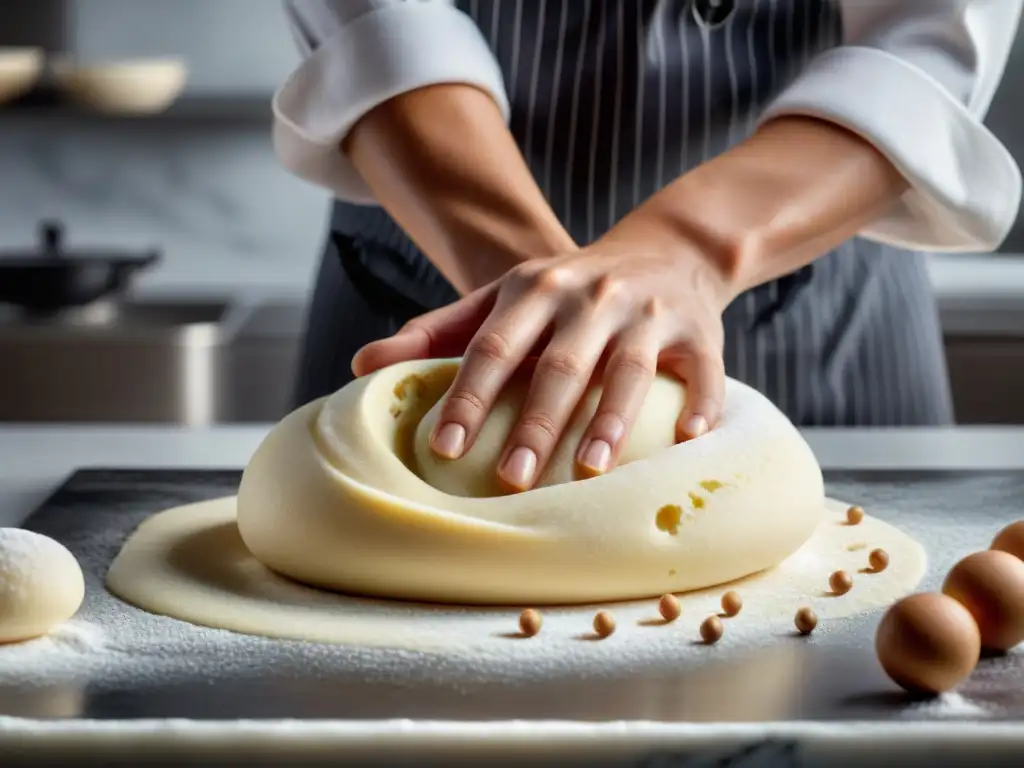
x=143 y=86
x=20 y=69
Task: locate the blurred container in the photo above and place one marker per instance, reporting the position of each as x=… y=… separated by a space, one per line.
x=20 y=70
x=142 y=86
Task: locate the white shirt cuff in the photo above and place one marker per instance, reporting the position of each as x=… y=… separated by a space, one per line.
x=965 y=186
x=381 y=54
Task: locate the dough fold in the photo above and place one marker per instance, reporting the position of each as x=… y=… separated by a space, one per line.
x=336 y=497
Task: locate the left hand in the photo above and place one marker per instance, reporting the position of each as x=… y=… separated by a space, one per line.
x=619 y=305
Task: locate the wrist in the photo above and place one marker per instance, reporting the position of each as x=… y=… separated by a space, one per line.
x=678 y=227
x=485 y=241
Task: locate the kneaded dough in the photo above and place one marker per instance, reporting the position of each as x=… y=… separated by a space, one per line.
x=190 y=563
x=335 y=497
x=41 y=585
x=474 y=474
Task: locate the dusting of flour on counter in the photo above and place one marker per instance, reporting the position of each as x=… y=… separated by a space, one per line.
x=950 y=705
x=68 y=641
x=113 y=646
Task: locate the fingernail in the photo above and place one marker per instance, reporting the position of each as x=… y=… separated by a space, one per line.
x=597 y=456
x=450 y=441
x=696 y=426
x=519 y=467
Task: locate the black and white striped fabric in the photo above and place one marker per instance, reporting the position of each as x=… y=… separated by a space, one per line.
x=613 y=99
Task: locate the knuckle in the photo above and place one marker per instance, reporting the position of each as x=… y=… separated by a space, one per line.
x=633 y=361
x=550 y=280
x=564 y=363
x=465 y=401
x=653 y=307
x=523 y=275
x=609 y=422
x=701 y=350
x=492 y=345
x=539 y=424
x=609 y=290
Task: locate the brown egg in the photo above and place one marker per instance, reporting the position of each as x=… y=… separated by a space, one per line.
x=928 y=643
x=1011 y=539
x=990 y=585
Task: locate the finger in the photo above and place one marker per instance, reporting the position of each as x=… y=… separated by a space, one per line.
x=628 y=375
x=499 y=346
x=561 y=376
x=444 y=332
x=701 y=368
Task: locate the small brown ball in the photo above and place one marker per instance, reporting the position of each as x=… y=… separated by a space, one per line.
x=711 y=630
x=805 y=620
x=669 y=608
x=732 y=603
x=855 y=515
x=604 y=624
x=1011 y=539
x=878 y=560
x=530 y=622
x=840 y=582
x=928 y=643
x=990 y=585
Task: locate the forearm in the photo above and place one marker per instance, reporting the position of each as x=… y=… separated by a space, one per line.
x=794 y=190
x=441 y=161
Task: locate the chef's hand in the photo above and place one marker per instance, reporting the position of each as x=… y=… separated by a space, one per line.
x=622 y=308
x=647 y=295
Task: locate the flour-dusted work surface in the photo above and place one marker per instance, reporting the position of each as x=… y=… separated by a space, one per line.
x=115 y=669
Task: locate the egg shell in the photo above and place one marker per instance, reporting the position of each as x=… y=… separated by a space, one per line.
x=990 y=585
x=928 y=643
x=1011 y=539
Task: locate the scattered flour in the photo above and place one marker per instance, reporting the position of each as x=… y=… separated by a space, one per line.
x=950 y=705
x=110 y=645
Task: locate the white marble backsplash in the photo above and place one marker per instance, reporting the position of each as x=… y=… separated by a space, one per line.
x=210 y=195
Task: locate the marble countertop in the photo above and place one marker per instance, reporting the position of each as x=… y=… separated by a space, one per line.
x=35 y=460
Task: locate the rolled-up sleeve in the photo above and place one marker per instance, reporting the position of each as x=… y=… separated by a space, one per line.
x=915 y=78
x=358 y=54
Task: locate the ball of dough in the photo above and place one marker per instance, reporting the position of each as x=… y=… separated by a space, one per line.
x=342 y=495
x=475 y=473
x=41 y=585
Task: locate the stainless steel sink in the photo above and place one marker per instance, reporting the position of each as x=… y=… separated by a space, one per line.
x=150 y=362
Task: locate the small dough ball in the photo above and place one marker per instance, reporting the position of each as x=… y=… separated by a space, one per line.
x=855 y=515
x=928 y=643
x=1011 y=539
x=669 y=607
x=805 y=620
x=990 y=585
x=878 y=560
x=732 y=603
x=530 y=622
x=604 y=623
x=840 y=582
x=41 y=585
x=711 y=630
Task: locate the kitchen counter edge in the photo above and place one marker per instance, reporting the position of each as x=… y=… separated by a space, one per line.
x=35 y=460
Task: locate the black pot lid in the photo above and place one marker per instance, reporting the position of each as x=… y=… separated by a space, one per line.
x=51 y=252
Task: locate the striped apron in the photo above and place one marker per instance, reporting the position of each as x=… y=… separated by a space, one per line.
x=611 y=100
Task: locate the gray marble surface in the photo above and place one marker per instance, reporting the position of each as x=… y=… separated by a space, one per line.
x=951 y=514
x=781 y=700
